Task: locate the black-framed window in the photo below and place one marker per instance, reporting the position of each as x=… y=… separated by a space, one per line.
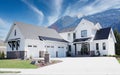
x=74 y=35
x=15 y=33
x=97 y=46
x=104 y=46
x=84 y=33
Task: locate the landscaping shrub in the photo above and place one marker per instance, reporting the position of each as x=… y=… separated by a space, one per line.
x=2 y=55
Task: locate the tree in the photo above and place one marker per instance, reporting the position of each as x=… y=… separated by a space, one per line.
x=117 y=45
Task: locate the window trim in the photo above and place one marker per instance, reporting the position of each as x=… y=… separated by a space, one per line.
x=104 y=45
x=15 y=32
x=97 y=46
x=83 y=33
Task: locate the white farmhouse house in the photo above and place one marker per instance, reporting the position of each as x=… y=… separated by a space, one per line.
x=85 y=39
x=88 y=38
x=25 y=41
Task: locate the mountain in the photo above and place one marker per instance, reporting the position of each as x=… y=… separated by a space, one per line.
x=63 y=22
x=108 y=18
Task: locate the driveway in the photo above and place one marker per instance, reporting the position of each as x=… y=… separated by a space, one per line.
x=79 y=66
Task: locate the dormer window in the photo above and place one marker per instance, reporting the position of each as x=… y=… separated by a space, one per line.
x=15 y=33
x=84 y=33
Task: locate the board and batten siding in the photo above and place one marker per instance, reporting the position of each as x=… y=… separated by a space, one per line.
x=18 y=35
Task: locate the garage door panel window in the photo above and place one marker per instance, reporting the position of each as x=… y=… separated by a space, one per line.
x=29 y=45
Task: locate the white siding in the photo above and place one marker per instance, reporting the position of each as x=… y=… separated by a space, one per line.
x=111 y=50
x=34 y=52
x=100 y=42
x=18 y=35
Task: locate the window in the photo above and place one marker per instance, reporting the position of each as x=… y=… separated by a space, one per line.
x=48 y=46
x=68 y=34
x=104 y=46
x=52 y=46
x=15 y=33
x=34 y=46
x=29 y=45
x=74 y=35
x=97 y=46
x=58 y=47
x=84 y=33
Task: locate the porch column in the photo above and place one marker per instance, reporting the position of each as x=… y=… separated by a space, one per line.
x=88 y=46
x=75 y=49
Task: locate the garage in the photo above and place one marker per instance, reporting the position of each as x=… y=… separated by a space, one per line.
x=51 y=51
x=33 y=52
x=61 y=52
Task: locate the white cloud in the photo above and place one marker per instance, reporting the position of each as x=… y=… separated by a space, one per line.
x=39 y=13
x=56 y=12
x=95 y=7
x=4 y=27
x=99 y=6
x=58 y=6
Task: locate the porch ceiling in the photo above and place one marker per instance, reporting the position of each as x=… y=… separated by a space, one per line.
x=81 y=40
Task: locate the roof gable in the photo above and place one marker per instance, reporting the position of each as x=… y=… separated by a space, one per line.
x=33 y=32
x=102 y=33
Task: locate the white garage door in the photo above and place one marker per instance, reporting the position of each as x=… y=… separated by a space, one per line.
x=52 y=52
x=33 y=52
x=61 y=52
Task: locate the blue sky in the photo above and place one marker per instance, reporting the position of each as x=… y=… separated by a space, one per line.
x=46 y=12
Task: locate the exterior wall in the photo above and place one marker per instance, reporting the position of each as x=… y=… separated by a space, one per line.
x=50 y=46
x=102 y=52
x=18 y=35
x=66 y=37
x=85 y=25
x=111 y=50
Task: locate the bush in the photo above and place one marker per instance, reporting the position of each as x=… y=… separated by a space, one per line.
x=2 y=55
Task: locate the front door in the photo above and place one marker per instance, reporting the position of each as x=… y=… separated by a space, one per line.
x=85 y=49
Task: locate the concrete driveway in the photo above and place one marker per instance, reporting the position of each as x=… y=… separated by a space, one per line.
x=79 y=66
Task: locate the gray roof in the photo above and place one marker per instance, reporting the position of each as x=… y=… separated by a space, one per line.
x=102 y=33
x=33 y=32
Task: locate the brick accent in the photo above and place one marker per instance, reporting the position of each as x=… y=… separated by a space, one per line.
x=15 y=54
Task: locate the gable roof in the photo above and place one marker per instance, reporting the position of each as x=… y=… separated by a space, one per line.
x=33 y=32
x=102 y=33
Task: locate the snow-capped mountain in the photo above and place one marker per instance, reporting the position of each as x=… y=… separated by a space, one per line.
x=109 y=18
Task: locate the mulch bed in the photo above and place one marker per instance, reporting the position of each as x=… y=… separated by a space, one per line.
x=41 y=63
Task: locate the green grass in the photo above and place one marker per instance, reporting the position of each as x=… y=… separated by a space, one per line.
x=16 y=64
x=118 y=60
x=9 y=71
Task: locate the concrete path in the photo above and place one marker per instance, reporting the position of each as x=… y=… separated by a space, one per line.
x=78 y=66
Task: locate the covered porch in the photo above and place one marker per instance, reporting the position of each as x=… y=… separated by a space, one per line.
x=82 y=47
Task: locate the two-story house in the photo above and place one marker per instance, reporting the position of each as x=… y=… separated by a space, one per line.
x=88 y=38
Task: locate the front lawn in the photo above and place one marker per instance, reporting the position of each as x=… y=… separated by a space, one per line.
x=7 y=63
x=118 y=59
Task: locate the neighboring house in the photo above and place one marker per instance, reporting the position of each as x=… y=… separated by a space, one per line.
x=25 y=41
x=2 y=46
x=88 y=38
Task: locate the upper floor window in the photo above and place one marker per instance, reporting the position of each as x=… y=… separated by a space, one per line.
x=84 y=33
x=68 y=36
x=74 y=35
x=15 y=33
x=104 y=46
